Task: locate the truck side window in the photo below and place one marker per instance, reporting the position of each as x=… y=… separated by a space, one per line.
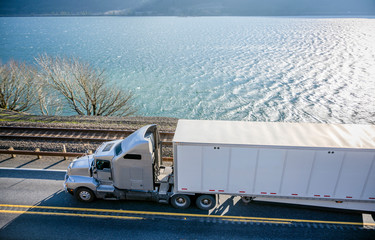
x=133 y=156
x=101 y=164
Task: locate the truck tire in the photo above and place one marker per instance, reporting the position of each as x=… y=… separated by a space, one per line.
x=180 y=201
x=84 y=195
x=205 y=202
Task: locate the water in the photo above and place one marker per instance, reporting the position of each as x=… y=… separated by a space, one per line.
x=298 y=69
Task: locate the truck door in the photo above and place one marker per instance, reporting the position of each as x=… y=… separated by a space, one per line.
x=136 y=171
x=103 y=170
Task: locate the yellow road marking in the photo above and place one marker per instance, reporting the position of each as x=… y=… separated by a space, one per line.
x=257 y=221
x=229 y=218
x=116 y=217
x=71 y=214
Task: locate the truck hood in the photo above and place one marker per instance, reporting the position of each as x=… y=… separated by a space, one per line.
x=80 y=166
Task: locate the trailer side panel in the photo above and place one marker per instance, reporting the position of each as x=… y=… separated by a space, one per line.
x=291 y=161
x=242 y=170
x=297 y=170
x=236 y=170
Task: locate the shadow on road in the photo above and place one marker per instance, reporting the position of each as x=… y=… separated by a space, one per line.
x=5 y=160
x=233 y=206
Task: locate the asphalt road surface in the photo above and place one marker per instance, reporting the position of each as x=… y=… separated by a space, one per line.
x=33 y=205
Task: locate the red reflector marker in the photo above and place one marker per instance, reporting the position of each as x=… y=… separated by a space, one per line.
x=273 y=193
x=221 y=190
x=294 y=194
x=371 y=198
x=263 y=193
x=183 y=189
x=316 y=195
x=327 y=196
x=211 y=190
x=242 y=191
x=348 y=197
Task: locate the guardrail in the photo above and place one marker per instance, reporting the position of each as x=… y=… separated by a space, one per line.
x=13 y=153
x=73 y=139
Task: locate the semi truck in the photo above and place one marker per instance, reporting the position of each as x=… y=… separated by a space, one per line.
x=324 y=165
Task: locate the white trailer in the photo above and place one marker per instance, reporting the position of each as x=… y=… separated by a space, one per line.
x=329 y=165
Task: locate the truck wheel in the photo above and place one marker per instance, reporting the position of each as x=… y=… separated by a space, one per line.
x=84 y=195
x=180 y=201
x=205 y=202
x=246 y=199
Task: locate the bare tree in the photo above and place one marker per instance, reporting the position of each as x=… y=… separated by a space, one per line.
x=18 y=86
x=85 y=89
x=48 y=103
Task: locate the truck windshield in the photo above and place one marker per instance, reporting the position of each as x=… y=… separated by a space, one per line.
x=118 y=149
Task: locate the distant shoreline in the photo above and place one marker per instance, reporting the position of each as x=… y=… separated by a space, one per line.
x=317 y=15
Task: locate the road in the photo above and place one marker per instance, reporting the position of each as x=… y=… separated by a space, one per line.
x=33 y=205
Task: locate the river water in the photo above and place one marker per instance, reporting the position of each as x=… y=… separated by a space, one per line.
x=296 y=69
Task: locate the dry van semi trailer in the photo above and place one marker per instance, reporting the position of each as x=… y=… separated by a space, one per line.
x=326 y=165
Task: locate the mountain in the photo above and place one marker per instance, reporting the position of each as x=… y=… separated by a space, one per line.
x=186 y=7
x=65 y=7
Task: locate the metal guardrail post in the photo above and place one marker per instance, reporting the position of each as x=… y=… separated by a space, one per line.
x=12 y=155
x=64 y=151
x=38 y=150
x=54 y=154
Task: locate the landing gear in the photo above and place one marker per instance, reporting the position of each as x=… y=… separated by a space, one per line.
x=246 y=200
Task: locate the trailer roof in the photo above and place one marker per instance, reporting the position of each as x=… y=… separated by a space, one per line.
x=276 y=134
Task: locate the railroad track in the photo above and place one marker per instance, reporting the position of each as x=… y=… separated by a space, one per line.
x=71 y=134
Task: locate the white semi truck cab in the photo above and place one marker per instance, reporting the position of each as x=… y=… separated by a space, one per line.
x=326 y=165
x=128 y=169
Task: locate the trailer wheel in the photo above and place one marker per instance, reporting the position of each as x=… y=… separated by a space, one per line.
x=246 y=200
x=180 y=201
x=205 y=202
x=84 y=195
